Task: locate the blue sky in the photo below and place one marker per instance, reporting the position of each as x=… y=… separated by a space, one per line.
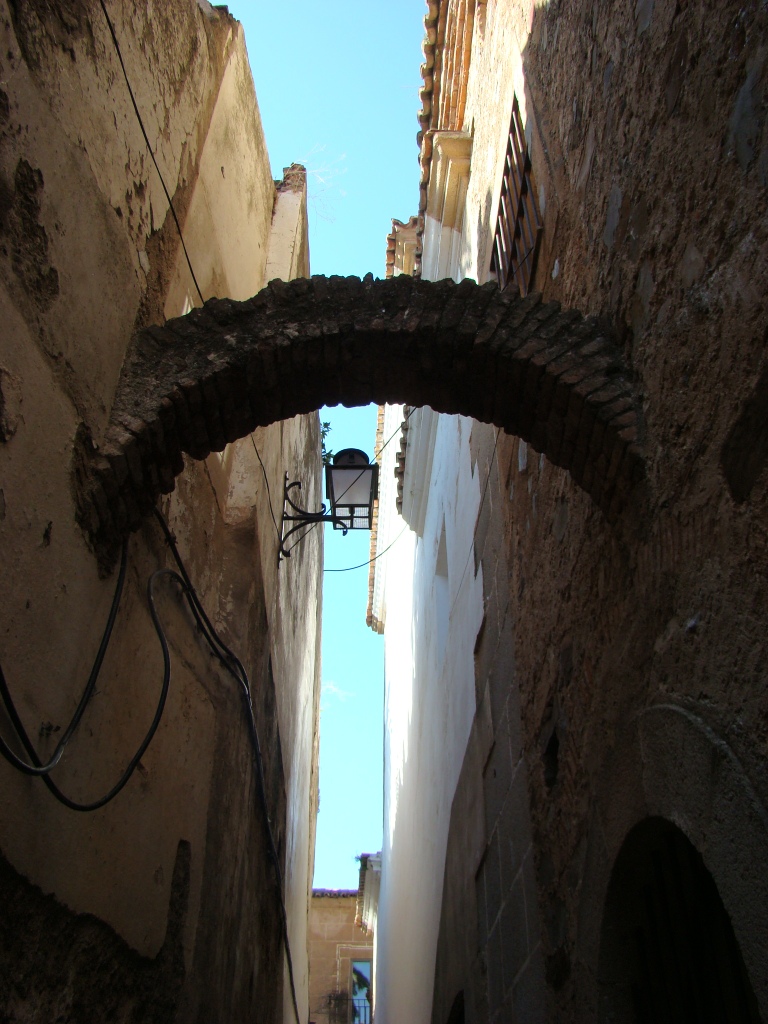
x=337 y=83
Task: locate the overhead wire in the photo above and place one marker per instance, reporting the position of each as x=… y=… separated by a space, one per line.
x=362 y=565
x=149 y=146
x=37 y=767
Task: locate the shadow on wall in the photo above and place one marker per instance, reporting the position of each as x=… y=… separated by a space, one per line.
x=484 y=236
x=745 y=452
x=36 y=928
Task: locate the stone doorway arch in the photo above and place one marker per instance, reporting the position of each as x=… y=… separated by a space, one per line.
x=552 y=377
x=668 y=951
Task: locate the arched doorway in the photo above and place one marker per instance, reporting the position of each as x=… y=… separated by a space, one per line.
x=548 y=375
x=667 y=950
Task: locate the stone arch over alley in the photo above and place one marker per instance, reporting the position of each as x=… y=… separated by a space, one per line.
x=549 y=376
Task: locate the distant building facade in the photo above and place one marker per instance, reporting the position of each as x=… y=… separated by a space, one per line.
x=340 y=959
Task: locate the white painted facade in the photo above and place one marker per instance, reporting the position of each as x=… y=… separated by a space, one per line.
x=429 y=635
x=431 y=628
x=429 y=705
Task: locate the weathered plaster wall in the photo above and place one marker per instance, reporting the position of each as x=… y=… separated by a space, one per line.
x=89 y=251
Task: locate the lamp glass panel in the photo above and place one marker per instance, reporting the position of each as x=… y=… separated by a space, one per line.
x=352 y=486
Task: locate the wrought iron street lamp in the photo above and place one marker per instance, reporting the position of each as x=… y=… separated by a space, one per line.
x=351 y=486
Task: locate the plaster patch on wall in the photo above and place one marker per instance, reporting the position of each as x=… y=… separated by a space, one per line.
x=25 y=239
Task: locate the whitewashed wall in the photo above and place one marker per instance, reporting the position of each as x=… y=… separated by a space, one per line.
x=431 y=628
x=429 y=638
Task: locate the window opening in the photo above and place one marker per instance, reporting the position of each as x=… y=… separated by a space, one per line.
x=518 y=225
x=362 y=992
x=668 y=951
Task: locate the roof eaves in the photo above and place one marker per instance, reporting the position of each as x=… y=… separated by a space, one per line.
x=447 y=47
x=429 y=95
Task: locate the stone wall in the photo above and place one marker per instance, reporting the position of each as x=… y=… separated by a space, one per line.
x=621 y=669
x=163 y=903
x=653 y=676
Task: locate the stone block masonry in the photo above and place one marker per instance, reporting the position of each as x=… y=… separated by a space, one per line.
x=205 y=379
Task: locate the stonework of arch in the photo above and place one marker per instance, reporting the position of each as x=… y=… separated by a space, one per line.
x=550 y=376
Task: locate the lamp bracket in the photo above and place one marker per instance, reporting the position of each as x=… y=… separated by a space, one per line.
x=301 y=518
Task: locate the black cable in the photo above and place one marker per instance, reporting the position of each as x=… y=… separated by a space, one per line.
x=269 y=493
x=235 y=667
x=363 y=564
x=149 y=147
x=21 y=732
x=42 y=769
x=222 y=652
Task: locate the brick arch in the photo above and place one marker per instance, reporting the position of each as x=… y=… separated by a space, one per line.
x=550 y=376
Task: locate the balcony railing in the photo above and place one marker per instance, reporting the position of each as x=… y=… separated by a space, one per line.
x=361 y=1011
x=346 y=1009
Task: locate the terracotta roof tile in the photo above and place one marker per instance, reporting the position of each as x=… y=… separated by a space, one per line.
x=335 y=893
